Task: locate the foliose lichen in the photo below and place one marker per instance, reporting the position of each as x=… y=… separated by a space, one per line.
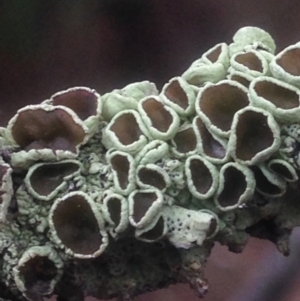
x=118 y=195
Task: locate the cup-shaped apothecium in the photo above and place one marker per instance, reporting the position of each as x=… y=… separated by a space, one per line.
x=115 y=212
x=252 y=63
x=280 y=99
x=180 y=96
x=152 y=176
x=85 y=102
x=184 y=142
x=77 y=226
x=123 y=168
x=211 y=147
x=283 y=169
x=155 y=231
x=254 y=137
x=45 y=132
x=162 y=121
x=286 y=65
x=144 y=205
x=45 y=180
x=217 y=104
x=125 y=132
x=202 y=177
x=268 y=183
x=236 y=186
x=37 y=272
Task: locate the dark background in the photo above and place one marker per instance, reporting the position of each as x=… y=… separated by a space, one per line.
x=47 y=46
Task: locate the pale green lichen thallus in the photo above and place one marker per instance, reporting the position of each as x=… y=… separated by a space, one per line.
x=116 y=195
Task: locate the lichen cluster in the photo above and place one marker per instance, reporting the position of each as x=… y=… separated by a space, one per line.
x=125 y=193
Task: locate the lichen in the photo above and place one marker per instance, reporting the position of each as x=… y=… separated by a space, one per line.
x=118 y=195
